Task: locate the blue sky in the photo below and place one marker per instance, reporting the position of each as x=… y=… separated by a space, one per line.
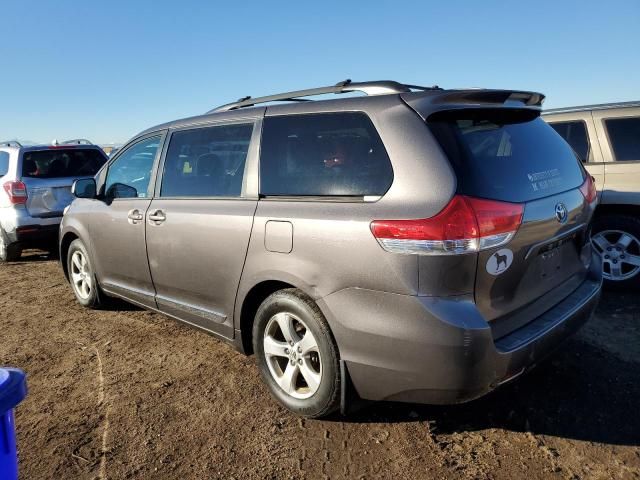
x=106 y=70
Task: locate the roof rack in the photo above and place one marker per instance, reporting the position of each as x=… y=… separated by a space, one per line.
x=77 y=141
x=379 y=87
x=10 y=143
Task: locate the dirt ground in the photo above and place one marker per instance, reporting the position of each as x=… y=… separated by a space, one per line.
x=131 y=394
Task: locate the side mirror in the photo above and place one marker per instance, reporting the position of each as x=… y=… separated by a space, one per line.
x=84 y=188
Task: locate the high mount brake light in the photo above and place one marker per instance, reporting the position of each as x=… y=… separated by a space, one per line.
x=17 y=192
x=465 y=225
x=588 y=189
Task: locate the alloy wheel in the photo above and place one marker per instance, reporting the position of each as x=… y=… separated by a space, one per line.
x=81 y=275
x=620 y=253
x=292 y=355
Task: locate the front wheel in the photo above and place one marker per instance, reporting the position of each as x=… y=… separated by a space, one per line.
x=617 y=239
x=296 y=353
x=82 y=276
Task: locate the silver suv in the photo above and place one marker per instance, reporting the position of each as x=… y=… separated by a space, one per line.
x=414 y=244
x=606 y=137
x=36 y=188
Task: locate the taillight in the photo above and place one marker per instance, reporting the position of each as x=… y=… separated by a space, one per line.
x=588 y=189
x=17 y=192
x=465 y=225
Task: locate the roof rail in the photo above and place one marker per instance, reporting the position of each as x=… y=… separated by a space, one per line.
x=379 y=87
x=597 y=106
x=77 y=141
x=10 y=143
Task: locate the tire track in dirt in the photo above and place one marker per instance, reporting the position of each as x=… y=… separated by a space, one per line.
x=149 y=398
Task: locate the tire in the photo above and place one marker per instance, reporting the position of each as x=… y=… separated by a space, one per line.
x=9 y=252
x=82 y=276
x=617 y=239
x=317 y=357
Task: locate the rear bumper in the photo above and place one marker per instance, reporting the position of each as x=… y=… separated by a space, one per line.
x=441 y=350
x=20 y=227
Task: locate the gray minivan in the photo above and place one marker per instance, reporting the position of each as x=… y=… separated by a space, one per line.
x=413 y=244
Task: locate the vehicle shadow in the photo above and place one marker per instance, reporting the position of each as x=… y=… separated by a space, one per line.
x=33 y=256
x=583 y=392
x=40 y=256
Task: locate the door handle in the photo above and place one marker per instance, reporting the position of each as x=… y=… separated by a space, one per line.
x=157 y=217
x=134 y=216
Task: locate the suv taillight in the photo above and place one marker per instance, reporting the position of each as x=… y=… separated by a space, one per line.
x=465 y=225
x=588 y=189
x=17 y=192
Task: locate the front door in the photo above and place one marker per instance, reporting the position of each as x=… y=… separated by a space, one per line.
x=118 y=223
x=199 y=223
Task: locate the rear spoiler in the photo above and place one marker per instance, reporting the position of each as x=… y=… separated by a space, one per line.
x=436 y=101
x=533 y=99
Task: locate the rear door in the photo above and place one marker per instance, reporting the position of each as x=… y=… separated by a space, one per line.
x=513 y=156
x=49 y=173
x=199 y=223
x=619 y=133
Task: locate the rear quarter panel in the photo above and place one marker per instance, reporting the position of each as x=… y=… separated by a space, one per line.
x=333 y=247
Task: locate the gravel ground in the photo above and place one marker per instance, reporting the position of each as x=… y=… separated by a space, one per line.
x=131 y=394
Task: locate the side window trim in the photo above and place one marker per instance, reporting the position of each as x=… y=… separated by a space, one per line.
x=612 y=151
x=104 y=172
x=590 y=153
x=346 y=198
x=247 y=192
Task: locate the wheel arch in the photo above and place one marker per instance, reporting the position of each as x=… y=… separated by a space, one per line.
x=250 y=304
x=617 y=208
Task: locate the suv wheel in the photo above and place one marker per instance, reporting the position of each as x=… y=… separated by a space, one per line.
x=296 y=353
x=617 y=239
x=82 y=276
x=9 y=252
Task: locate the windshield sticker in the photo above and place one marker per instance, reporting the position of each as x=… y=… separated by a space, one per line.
x=500 y=261
x=545 y=179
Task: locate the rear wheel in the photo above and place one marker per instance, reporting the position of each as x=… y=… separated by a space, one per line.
x=9 y=252
x=296 y=353
x=617 y=239
x=82 y=276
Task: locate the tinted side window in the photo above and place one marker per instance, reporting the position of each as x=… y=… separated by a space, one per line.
x=327 y=154
x=575 y=134
x=129 y=174
x=624 y=135
x=206 y=162
x=4 y=163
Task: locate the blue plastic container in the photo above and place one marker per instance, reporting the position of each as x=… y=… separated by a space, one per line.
x=13 y=389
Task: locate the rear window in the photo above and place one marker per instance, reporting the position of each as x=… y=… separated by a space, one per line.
x=624 y=135
x=326 y=154
x=512 y=156
x=56 y=163
x=4 y=163
x=575 y=134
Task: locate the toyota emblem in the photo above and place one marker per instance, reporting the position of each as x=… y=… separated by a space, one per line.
x=561 y=213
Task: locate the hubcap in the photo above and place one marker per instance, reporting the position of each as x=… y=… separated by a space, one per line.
x=620 y=253
x=3 y=247
x=81 y=277
x=292 y=355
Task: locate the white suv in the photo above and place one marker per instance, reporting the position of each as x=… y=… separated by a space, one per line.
x=36 y=188
x=607 y=139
